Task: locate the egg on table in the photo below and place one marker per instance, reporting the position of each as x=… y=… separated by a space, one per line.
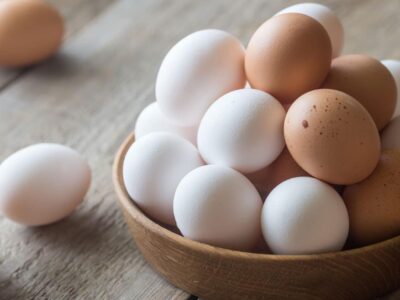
x=326 y=17
x=152 y=169
x=151 y=119
x=374 y=204
x=242 y=130
x=289 y=55
x=42 y=184
x=217 y=205
x=30 y=31
x=368 y=81
x=197 y=71
x=303 y=215
x=332 y=137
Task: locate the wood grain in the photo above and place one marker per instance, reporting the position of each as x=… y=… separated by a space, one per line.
x=88 y=97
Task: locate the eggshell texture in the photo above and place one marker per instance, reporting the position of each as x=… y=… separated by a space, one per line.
x=217 y=205
x=303 y=215
x=290 y=54
x=197 y=71
x=152 y=169
x=42 y=184
x=394 y=68
x=242 y=130
x=390 y=137
x=374 y=204
x=30 y=31
x=151 y=119
x=368 y=81
x=332 y=137
x=326 y=17
x=283 y=168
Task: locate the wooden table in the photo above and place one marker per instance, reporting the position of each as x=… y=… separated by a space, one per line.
x=88 y=97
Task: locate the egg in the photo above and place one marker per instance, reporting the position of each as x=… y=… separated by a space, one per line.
x=30 y=31
x=303 y=215
x=332 y=137
x=394 y=68
x=373 y=204
x=197 y=71
x=151 y=119
x=42 y=184
x=390 y=136
x=289 y=55
x=283 y=168
x=242 y=130
x=217 y=205
x=368 y=81
x=326 y=17
x=152 y=169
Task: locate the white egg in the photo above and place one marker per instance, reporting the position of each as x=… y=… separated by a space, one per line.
x=326 y=17
x=151 y=119
x=196 y=71
x=217 y=205
x=42 y=184
x=303 y=215
x=152 y=169
x=390 y=137
x=394 y=68
x=242 y=130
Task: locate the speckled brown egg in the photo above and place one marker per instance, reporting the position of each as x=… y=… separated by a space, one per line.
x=30 y=31
x=374 y=203
x=368 y=81
x=283 y=168
x=332 y=136
x=290 y=54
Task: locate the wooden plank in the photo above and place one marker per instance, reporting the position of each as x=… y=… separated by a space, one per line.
x=76 y=13
x=89 y=255
x=88 y=97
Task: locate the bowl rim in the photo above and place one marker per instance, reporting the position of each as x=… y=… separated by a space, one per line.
x=134 y=211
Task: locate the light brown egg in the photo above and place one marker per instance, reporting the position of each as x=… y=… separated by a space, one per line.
x=368 y=81
x=283 y=168
x=262 y=247
x=332 y=136
x=288 y=55
x=374 y=204
x=30 y=31
x=286 y=106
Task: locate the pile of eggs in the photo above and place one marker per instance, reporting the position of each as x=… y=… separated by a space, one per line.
x=305 y=157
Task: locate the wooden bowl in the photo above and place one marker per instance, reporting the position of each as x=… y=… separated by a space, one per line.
x=215 y=273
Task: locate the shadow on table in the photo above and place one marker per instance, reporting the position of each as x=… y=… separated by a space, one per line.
x=70 y=234
x=61 y=65
x=10 y=290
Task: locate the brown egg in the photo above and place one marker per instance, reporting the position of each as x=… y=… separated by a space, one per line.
x=367 y=80
x=289 y=55
x=374 y=203
x=30 y=31
x=286 y=106
x=283 y=168
x=332 y=136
